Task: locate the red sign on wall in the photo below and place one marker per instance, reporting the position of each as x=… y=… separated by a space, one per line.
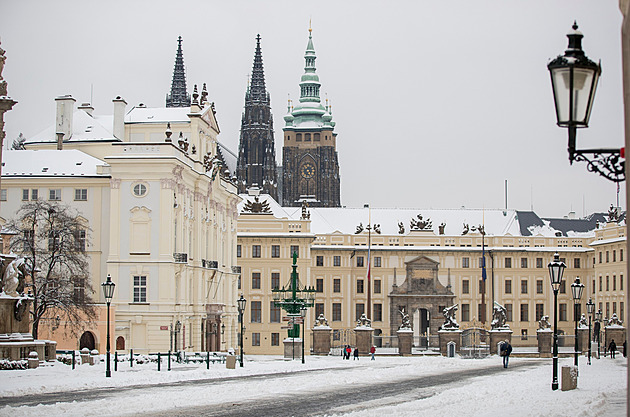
x=163 y=327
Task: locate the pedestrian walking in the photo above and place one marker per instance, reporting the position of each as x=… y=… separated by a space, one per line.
x=505 y=351
x=348 y=350
x=356 y=353
x=612 y=347
x=373 y=351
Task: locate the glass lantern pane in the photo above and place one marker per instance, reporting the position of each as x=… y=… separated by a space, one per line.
x=582 y=83
x=560 y=77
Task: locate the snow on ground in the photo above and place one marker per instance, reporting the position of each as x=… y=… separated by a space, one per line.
x=523 y=392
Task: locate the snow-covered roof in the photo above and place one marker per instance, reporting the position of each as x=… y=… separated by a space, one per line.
x=85 y=127
x=50 y=163
x=497 y=222
x=229 y=157
x=157 y=115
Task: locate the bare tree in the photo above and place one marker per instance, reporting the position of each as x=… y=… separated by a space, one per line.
x=52 y=240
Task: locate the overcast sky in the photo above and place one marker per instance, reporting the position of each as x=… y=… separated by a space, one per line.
x=437 y=102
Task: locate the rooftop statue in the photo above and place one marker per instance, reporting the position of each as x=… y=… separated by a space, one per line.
x=364 y=321
x=406 y=324
x=544 y=324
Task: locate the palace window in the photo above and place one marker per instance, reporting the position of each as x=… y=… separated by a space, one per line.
x=465 y=287
x=359 y=286
x=295 y=249
x=377 y=286
x=562 y=315
x=255 y=339
x=275 y=251
x=576 y=262
x=465 y=312
x=337 y=285
x=524 y=312
x=523 y=262
x=359 y=310
x=139 y=289
x=80 y=194
x=378 y=312
x=336 y=312
x=238 y=251
x=319 y=309
x=540 y=308
x=539 y=262
x=319 y=285
x=256 y=251
x=360 y=261
x=336 y=260
x=465 y=262
x=508 y=312
x=275 y=339
x=54 y=194
x=508 y=286
x=539 y=287
x=377 y=261
x=523 y=286
x=275 y=280
x=255 y=280
x=274 y=313
x=320 y=260
x=256 y=312
x=508 y=262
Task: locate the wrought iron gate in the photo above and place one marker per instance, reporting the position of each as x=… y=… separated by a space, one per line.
x=475 y=343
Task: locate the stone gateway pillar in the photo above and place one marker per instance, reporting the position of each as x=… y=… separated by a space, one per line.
x=447 y=336
x=545 y=340
x=321 y=336
x=364 y=333
x=405 y=341
x=497 y=336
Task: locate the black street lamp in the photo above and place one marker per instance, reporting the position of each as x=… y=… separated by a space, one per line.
x=556 y=269
x=576 y=290
x=574 y=80
x=108 y=291
x=598 y=319
x=303 y=314
x=590 y=307
x=242 y=302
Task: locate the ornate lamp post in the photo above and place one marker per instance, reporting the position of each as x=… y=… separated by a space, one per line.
x=108 y=291
x=293 y=300
x=556 y=269
x=242 y=302
x=576 y=290
x=574 y=80
x=590 y=307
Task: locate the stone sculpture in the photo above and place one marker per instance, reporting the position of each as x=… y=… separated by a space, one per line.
x=544 y=324
x=401 y=228
x=499 y=317
x=257 y=206
x=614 y=320
x=406 y=323
x=321 y=321
x=583 y=322
x=13 y=277
x=364 y=321
x=421 y=224
x=449 y=318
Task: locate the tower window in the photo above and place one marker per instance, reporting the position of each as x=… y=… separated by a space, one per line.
x=307 y=137
x=316 y=137
x=298 y=137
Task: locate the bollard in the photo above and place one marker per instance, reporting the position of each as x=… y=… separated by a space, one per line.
x=131 y=358
x=116 y=361
x=169 y=360
x=73 y=359
x=208 y=360
x=159 y=361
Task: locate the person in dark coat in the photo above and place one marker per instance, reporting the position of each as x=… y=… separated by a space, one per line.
x=612 y=347
x=348 y=350
x=356 y=353
x=624 y=349
x=505 y=351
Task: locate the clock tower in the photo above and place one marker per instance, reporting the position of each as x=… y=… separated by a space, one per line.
x=310 y=164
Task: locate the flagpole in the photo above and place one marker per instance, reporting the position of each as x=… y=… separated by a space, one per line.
x=483 y=265
x=369 y=261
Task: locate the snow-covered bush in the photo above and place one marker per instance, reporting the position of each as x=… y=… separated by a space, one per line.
x=6 y=364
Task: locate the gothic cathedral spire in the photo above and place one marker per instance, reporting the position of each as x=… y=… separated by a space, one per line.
x=178 y=97
x=257 y=152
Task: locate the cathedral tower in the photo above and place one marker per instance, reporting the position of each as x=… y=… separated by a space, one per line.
x=257 y=152
x=310 y=164
x=178 y=96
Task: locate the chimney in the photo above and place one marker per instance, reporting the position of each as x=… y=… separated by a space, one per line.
x=65 y=110
x=119 y=117
x=87 y=107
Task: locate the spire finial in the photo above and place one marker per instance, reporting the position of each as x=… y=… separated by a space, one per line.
x=195 y=96
x=575 y=25
x=310 y=28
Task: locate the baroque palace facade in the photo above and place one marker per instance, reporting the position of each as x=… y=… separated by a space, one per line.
x=154 y=189
x=332 y=244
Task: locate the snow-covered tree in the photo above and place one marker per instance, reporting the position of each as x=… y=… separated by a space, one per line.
x=52 y=239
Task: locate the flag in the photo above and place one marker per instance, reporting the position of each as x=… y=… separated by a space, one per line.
x=483 y=261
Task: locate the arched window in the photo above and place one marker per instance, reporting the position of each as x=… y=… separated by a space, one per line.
x=120 y=343
x=298 y=137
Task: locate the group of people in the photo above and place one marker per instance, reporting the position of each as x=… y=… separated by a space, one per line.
x=347 y=351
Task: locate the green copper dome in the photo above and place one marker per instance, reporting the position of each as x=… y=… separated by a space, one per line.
x=309 y=112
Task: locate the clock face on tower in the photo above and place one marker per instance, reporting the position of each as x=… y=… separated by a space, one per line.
x=308 y=170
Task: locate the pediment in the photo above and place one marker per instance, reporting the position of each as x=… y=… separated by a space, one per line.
x=422 y=260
